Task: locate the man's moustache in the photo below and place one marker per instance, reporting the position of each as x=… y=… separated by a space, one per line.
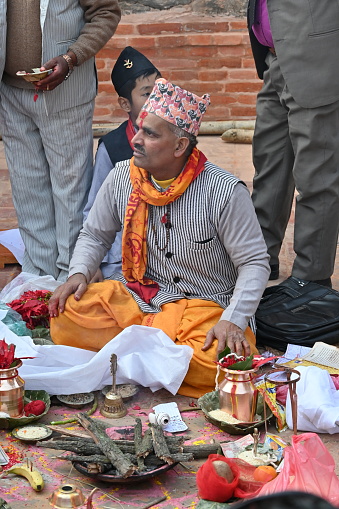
x=139 y=149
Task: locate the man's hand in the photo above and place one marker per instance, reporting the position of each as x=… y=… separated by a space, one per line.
x=98 y=277
x=76 y=284
x=227 y=334
x=59 y=68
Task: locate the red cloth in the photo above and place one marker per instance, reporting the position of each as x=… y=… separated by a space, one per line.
x=211 y=485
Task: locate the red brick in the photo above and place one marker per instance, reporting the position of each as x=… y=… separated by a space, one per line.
x=246 y=111
x=243 y=86
x=243 y=74
x=200 y=40
x=167 y=41
x=160 y=28
x=227 y=39
x=213 y=75
x=202 y=51
x=250 y=99
x=217 y=113
x=181 y=75
x=238 y=24
x=208 y=26
x=104 y=74
x=229 y=51
x=248 y=62
x=219 y=63
x=125 y=29
x=223 y=99
x=179 y=53
x=102 y=112
x=106 y=87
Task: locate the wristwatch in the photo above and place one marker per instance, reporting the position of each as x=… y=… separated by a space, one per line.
x=70 y=65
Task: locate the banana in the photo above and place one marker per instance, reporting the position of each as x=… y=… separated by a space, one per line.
x=28 y=471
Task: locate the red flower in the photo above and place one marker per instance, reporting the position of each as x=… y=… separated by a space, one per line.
x=33 y=308
x=7 y=352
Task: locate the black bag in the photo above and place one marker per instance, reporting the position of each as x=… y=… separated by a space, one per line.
x=298 y=313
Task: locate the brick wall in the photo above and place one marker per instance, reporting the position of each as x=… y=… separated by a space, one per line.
x=204 y=55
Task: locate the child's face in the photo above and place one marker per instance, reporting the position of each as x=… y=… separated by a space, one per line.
x=142 y=90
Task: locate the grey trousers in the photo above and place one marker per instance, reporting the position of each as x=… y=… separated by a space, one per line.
x=50 y=162
x=297 y=148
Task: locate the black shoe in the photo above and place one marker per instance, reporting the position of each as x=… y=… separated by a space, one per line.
x=302 y=282
x=274 y=272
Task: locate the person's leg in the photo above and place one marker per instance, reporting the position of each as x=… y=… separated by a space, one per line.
x=273 y=158
x=30 y=180
x=187 y=322
x=68 y=143
x=315 y=137
x=101 y=314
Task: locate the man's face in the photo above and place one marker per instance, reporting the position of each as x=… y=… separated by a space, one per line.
x=142 y=90
x=155 y=147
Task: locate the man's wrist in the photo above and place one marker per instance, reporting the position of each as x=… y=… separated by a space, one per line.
x=70 y=64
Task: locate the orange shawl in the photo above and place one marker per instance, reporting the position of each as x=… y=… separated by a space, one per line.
x=134 y=244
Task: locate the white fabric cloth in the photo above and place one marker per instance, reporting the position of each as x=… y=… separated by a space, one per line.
x=146 y=356
x=318 y=402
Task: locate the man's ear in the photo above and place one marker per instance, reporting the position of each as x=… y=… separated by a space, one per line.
x=181 y=147
x=124 y=104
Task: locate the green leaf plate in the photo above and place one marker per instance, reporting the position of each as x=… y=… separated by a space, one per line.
x=14 y=422
x=210 y=401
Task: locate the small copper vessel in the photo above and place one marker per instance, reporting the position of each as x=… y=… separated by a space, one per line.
x=12 y=389
x=238 y=395
x=67 y=495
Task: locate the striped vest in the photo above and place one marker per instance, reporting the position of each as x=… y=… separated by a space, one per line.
x=194 y=264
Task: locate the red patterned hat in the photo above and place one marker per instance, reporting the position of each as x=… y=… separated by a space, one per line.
x=177 y=106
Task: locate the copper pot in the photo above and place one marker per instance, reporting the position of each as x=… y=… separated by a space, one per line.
x=238 y=395
x=69 y=496
x=12 y=391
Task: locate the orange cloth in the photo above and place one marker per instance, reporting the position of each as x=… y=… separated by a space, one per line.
x=107 y=308
x=134 y=245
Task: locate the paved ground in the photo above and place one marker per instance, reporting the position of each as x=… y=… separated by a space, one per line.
x=178 y=485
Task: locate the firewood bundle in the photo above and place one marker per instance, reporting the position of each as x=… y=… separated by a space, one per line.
x=148 y=451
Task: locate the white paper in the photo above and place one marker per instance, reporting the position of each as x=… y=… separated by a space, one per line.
x=233 y=449
x=322 y=353
x=293 y=352
x=12 y=240
x=146 y=356
x=171 y=409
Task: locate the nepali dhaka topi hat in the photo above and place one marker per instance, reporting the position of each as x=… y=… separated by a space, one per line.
x=176 y=105
x=130 y=65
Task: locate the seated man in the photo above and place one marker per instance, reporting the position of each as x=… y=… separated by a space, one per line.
x=133 y=77
x=194 y=262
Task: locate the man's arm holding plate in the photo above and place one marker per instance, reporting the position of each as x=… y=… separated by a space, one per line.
x=242 y=237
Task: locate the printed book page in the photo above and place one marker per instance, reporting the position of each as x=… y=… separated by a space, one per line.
x=326 y=355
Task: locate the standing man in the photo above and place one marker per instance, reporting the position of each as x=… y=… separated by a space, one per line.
x=296 y=140
x=47 y=129
x=194 y=262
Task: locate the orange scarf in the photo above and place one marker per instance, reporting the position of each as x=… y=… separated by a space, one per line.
x=134 y=244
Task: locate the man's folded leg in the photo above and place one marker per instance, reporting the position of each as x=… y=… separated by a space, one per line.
x=102 y=313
